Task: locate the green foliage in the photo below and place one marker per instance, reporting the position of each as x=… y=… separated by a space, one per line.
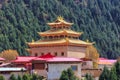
x=1 y=77
x=88 y=77
x=36 y=77
x=117 y=67
x=20 y=20
x=19 y=77
x=113 y=74
x=40 y=78
x=105 y=74
x=68 y=75
x=12 y=77
x=64 y=76
x=26 y=77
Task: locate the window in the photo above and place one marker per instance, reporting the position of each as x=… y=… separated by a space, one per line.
x=56 y=37
x=42 y=54
x=69 y=36
x=67 y=27
x=62 y=54
x=54 y=28
x=50 y=37
x=60 y=27
x=45 y=37
x=36 y=54
x=55 y=53
x=61 y=36
x=49 y=53
x=74 y=67
x=84 y=63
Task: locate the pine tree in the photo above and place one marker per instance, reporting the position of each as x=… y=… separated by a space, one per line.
x=19 y=77
x=68 y=75
x=64 y=76
x=105 y=74
x=88 y=77
x=12 y=77
x=40 y=77
x=113 y=74
x=34 y=77
x=117 y=67
x=2 y=77
x=71 y=74
x=26 y=77
x=98 y=19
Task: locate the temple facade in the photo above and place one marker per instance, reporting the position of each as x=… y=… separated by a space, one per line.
x=60 y=40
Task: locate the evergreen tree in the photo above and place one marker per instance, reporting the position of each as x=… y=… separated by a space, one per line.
x=71 y=74
x=105 y=74
x=68 y=75
x=117 y=67
x=113 y=74
x=88 y=77
x=20 y=20
x=40 y=77
x=26 y=77
x=2 y=77
x=64 y=76
x=34 y=77
x=12 y=77
x=19 y=77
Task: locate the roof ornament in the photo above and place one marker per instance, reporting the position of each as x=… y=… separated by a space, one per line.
x=60 y=18
x=33 y=40
x=87 y=41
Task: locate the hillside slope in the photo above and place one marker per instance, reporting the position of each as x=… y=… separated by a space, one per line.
x=20 y=20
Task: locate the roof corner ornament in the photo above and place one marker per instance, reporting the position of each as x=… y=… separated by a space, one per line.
x=33 y=41
x=60 y=18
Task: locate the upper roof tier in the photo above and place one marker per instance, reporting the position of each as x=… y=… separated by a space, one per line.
x=60 y=22
x=61 y=42
x=60 y=32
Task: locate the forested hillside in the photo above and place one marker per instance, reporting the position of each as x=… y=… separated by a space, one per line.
x=20 y=20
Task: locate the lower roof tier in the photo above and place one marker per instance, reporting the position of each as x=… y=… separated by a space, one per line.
x=60 y=32
x=59 y=42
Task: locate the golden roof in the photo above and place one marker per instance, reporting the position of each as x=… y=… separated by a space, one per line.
x=65 y=41
x=58 y=32
x=60 y=21
x=28 y=50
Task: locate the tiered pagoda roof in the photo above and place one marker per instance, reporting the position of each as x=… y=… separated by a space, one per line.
x=62 y=42
x=47 y=58
x=60 y=22
x=59 y=34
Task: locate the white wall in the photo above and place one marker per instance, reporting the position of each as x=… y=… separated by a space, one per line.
x=55 y=70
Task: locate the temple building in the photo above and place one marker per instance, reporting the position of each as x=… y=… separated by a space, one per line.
x=60 y=40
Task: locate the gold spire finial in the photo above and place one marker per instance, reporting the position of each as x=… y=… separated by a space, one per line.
x=87 y=40
x=33 y=40
x=60 y=18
